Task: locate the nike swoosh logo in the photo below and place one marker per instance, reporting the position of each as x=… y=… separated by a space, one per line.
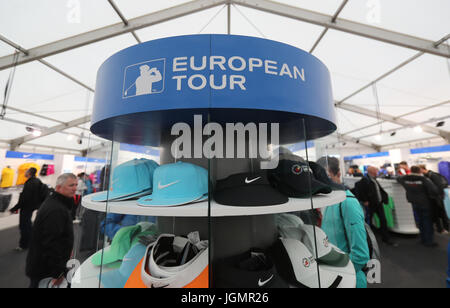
x=167 y=185
x=27 y=155
x=263 y=283
x=159 y=287
x=247 y=181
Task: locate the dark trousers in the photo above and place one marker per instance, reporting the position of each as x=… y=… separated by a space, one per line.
x=379 y=210
x=34 y=283
x=26 y=228
x=425 y=222
x=440 y=215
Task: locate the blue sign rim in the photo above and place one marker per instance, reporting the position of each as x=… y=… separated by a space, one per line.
x=114 y=119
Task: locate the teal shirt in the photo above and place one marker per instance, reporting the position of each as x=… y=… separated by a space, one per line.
x=357 y=247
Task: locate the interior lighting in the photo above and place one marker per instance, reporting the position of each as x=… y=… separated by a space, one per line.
x=418 y=129
x=378 y=137
x=69 y=137
x=37 y=133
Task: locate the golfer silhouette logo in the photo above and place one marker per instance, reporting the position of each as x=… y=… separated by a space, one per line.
x=144 y=78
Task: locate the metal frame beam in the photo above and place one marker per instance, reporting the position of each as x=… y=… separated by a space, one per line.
x=32 y=145
x=395 y=120
x=124 y=20
x=111 y=31
x=363 y=30
x=402 y=116
x=333 y=19
x=97 y=147
x=408 y=143
x=381 y=77
x=374 y=146
x=323 y=20
x=25 y=139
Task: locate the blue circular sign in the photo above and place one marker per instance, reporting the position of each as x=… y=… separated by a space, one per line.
x=143 y=90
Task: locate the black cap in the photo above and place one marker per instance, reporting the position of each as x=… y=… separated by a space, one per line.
x=252 y=269
x=321 y=175
x=293 y=177
x=248 y=189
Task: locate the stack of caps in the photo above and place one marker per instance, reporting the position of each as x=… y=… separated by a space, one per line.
x=294 y=178
x=130 y=180
x=302 y=264
x=176 y=262
x=177 y=184
x=125 y=251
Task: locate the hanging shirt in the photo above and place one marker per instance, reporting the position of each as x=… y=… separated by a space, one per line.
x=51 y=169
x=7 y=178
x=21 y=179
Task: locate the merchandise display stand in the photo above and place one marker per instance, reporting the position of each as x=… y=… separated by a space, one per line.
x=404 y=222
x=202 y=83
x=217 y=210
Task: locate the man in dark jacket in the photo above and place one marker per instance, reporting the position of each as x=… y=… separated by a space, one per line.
x=419 y=192
x=373 y=196
x=439 y=214
x=30 y=199
x=53 y=238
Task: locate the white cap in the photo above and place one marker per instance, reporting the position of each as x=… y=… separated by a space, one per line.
x=326 y=252
x=296 y=264
x=156 y=275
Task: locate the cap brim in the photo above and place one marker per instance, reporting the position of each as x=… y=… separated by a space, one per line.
x=150 y=201
x=108 y=257
x=334 y=258
x=113 y=280
x=318 y=187
x=250 y=195
x=347 y=273
x=134 y=196
x=117 y=196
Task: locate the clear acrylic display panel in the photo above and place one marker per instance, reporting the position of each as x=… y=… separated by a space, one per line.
x=229 y=233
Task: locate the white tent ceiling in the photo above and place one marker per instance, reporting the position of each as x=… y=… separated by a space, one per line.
x=56 y=89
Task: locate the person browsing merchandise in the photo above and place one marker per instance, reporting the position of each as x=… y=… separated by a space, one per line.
x=448 y=270
x=53 y=237
x=373 y=196
x=29 y=201
x=346 y=231
x=419 y=192
x=438 y=210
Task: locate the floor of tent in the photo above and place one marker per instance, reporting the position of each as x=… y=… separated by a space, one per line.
x=408 y=266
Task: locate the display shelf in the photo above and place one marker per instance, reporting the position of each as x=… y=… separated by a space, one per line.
x=87 y=275
x=217 y=210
